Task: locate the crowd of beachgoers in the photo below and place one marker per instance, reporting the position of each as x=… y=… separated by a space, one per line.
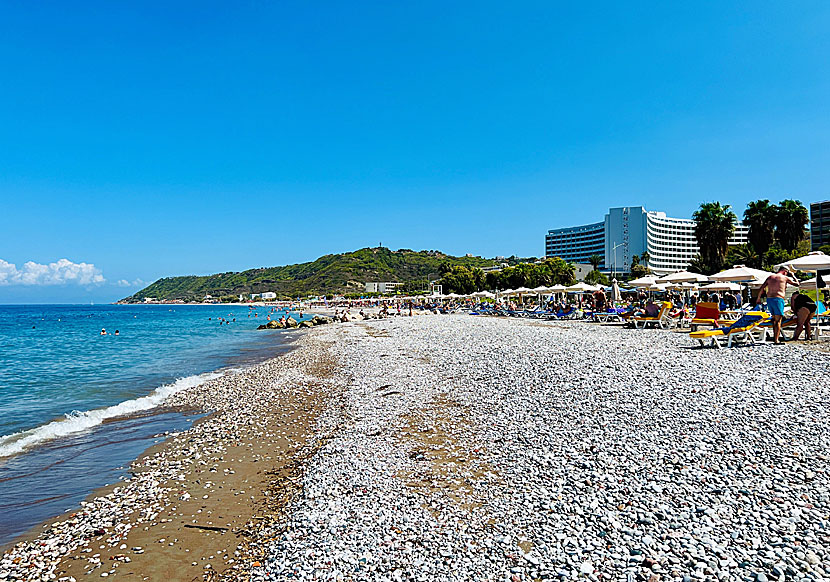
x=669 y=309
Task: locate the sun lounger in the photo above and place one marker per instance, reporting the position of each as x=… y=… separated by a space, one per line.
x=822 y=316
x=570 y=313
x=660 y=320
x=764 y=329
x=679 y=319
x=606 y=316
x=739 y=331
x=706 y=314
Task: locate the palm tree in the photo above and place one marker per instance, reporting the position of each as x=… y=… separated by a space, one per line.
x=791 y=219
x=696 y=265
x=563 y=272
x=760 y=216
x=596 y=261
x=714 y=224
x=645 y=257
x=743 y=255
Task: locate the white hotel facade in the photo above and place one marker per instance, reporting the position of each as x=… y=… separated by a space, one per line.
x=628 y=231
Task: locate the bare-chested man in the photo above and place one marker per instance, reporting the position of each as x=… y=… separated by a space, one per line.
x=776 y=288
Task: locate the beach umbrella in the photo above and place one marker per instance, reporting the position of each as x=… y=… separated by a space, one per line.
x=615 y=291
x=539 y=291
x=815 y=261
x=656 y=287
x=683 y=277
x=682 y=286
x=741 y=273
x=557 y=289
x=721 y=286
x=644 y=281
x=580 y=288
x=522 y=291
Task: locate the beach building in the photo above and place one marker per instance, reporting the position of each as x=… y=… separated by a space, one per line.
x=581 y=270
x=264 y=296
x=494 y=268
x=381 y=287
x=819 y=224
x=628 y=231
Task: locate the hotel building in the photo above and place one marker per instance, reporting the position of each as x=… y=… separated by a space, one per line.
x=819 y=224
x=630 y=231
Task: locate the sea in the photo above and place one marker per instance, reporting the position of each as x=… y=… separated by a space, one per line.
x=77 y=406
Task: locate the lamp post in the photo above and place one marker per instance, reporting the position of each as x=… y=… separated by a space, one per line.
x=615 y=257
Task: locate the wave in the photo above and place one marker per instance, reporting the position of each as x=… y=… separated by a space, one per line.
x=77 y=421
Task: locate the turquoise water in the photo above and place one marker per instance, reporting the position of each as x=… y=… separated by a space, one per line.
x=77 y=406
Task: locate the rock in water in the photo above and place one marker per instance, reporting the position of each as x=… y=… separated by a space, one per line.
x=291 y=322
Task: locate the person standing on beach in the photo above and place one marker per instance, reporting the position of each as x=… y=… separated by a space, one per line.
x=776 y=288
x=803 y=307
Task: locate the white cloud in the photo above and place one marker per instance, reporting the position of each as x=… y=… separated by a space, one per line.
x=60 y=272
x=125 y=283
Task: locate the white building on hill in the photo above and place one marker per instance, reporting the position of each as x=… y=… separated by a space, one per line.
x=378 y=287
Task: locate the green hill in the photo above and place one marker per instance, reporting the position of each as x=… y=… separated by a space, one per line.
x=339 y=273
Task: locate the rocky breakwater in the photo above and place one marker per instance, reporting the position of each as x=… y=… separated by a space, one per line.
x=291 y=323
x=317 y=320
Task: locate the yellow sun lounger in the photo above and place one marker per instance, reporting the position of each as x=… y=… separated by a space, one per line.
x=739 y=331
x=660 y=320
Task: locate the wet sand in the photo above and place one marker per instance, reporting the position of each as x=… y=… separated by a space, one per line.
x=195 y=506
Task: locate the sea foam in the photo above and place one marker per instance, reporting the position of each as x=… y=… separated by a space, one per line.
x=77 y=421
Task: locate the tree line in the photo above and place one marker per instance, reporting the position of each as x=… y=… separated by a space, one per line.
x=777 y=233
x=550 y=271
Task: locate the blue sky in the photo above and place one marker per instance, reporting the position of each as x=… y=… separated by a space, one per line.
x=155 y=139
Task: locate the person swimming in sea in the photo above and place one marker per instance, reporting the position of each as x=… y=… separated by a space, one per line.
x=103 y=331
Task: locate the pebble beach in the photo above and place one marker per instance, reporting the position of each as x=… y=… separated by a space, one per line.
x=474 y=448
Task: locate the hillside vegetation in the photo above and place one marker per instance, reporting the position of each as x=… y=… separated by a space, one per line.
x=338 y=273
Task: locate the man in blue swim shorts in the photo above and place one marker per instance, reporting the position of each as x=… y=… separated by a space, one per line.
x=775 y=306
x=776 y=288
